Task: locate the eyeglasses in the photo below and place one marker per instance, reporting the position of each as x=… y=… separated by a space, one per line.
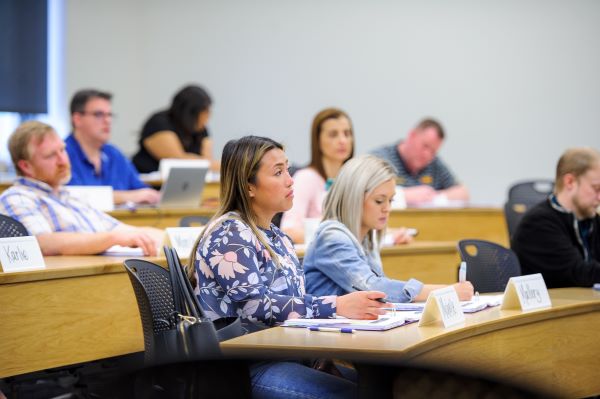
x=99 y=114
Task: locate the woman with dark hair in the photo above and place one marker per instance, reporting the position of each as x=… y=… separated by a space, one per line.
x=332 y=144
x=178 y=132
x=243 y=265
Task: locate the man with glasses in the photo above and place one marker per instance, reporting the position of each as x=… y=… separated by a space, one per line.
x=560 y=237
x=94 y=161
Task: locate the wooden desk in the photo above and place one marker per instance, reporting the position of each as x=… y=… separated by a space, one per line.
x=158 y=217
x=432 y=262
x=454 y=224
x=80 y=308
x=553 y=350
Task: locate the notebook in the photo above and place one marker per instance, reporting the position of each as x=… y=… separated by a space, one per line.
x=383 y=323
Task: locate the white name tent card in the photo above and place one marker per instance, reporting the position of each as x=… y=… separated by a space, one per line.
x=182 y=239
x=99 y=197
x=442 y=304
x=526 y=293
x=18 y=254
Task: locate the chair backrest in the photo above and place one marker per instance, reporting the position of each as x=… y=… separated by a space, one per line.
x=10 y=227
x=489 y=265
x=193 y=220
x=530 y=192
x=521 y=197
x=153 y=291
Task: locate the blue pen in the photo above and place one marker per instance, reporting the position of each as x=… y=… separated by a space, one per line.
x=331 y=329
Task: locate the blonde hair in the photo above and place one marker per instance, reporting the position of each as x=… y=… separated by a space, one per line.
x=345 y=200
x=575 y=161
x=19 y=141
x=239 y=166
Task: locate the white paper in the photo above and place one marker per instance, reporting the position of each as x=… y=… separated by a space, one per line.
x=118 y=250
x=384 y=322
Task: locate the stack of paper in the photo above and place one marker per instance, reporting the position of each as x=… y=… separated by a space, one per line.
x=382 y=323
x=474 y=305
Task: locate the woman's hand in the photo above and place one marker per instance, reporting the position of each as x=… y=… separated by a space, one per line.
x=401 y=236
x=464 y=290
x=361 y=305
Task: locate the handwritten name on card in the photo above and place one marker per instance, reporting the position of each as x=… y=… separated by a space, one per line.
x=442 y=304
x=183 y=239
x=20 y=254
x=527 y=293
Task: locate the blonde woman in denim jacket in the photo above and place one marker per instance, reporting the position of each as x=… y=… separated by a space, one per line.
x=344 y=255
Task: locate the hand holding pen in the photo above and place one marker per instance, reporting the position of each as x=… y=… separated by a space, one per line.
x=361 y=305
x=463 y=288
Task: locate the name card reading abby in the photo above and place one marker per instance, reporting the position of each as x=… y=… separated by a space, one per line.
x=527 y=293
x=19 y=254
x=442 y=304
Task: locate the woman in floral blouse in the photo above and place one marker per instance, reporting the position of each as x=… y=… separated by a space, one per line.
x=245 y=266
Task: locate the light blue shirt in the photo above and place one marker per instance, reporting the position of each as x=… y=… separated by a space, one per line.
x=335 y=263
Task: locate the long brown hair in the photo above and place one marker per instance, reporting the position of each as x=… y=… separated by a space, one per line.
x=239 y=165
x=316 y=157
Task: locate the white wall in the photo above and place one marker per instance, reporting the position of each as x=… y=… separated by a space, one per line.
x=514 y=82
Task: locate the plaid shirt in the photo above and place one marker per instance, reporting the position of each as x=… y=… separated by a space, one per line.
x=34 y=204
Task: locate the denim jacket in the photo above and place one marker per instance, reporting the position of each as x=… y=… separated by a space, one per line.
x=336 y=263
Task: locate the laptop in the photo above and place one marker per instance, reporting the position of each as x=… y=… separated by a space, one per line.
x=183 y=187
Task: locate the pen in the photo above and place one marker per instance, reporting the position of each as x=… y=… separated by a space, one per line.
x=331 y=329
x=380 y=300
x=462 y=272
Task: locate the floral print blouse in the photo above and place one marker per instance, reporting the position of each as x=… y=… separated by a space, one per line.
x=237 y=277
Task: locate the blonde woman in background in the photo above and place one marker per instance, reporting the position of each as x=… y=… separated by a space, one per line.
x=344 y=255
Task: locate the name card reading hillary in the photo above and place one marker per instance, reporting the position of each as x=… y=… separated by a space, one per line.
x=527 y=293
x=442 y=304
x=19 y=254
x=182 y=239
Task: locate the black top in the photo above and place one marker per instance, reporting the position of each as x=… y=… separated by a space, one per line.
x=549 y=240
x=160 y=121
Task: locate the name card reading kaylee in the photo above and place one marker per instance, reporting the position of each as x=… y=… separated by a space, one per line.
x=527 y=293
x=19 y=254
x=442 y=304
x=182 y=239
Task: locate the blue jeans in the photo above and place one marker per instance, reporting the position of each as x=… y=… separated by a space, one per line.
x=292 y=379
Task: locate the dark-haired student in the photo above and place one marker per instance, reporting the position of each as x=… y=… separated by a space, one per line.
x=94 y=161
x=344 y=255
x=177 y=132
x=245 y=266
x=332 y=144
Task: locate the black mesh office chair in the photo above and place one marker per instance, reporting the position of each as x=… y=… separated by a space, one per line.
x=489 y=265
x=152 y=287
x=153 y=290
x=190 y=221
x=10 y=227
x=521 y=197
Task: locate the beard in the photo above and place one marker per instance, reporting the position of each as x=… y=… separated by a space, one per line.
x=585 y=212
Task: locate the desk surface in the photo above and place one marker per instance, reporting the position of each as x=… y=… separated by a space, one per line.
x=85 y=309
x=554 y=349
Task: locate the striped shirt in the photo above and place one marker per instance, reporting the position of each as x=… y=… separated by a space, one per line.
x=34 y=204
x=436 y=174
